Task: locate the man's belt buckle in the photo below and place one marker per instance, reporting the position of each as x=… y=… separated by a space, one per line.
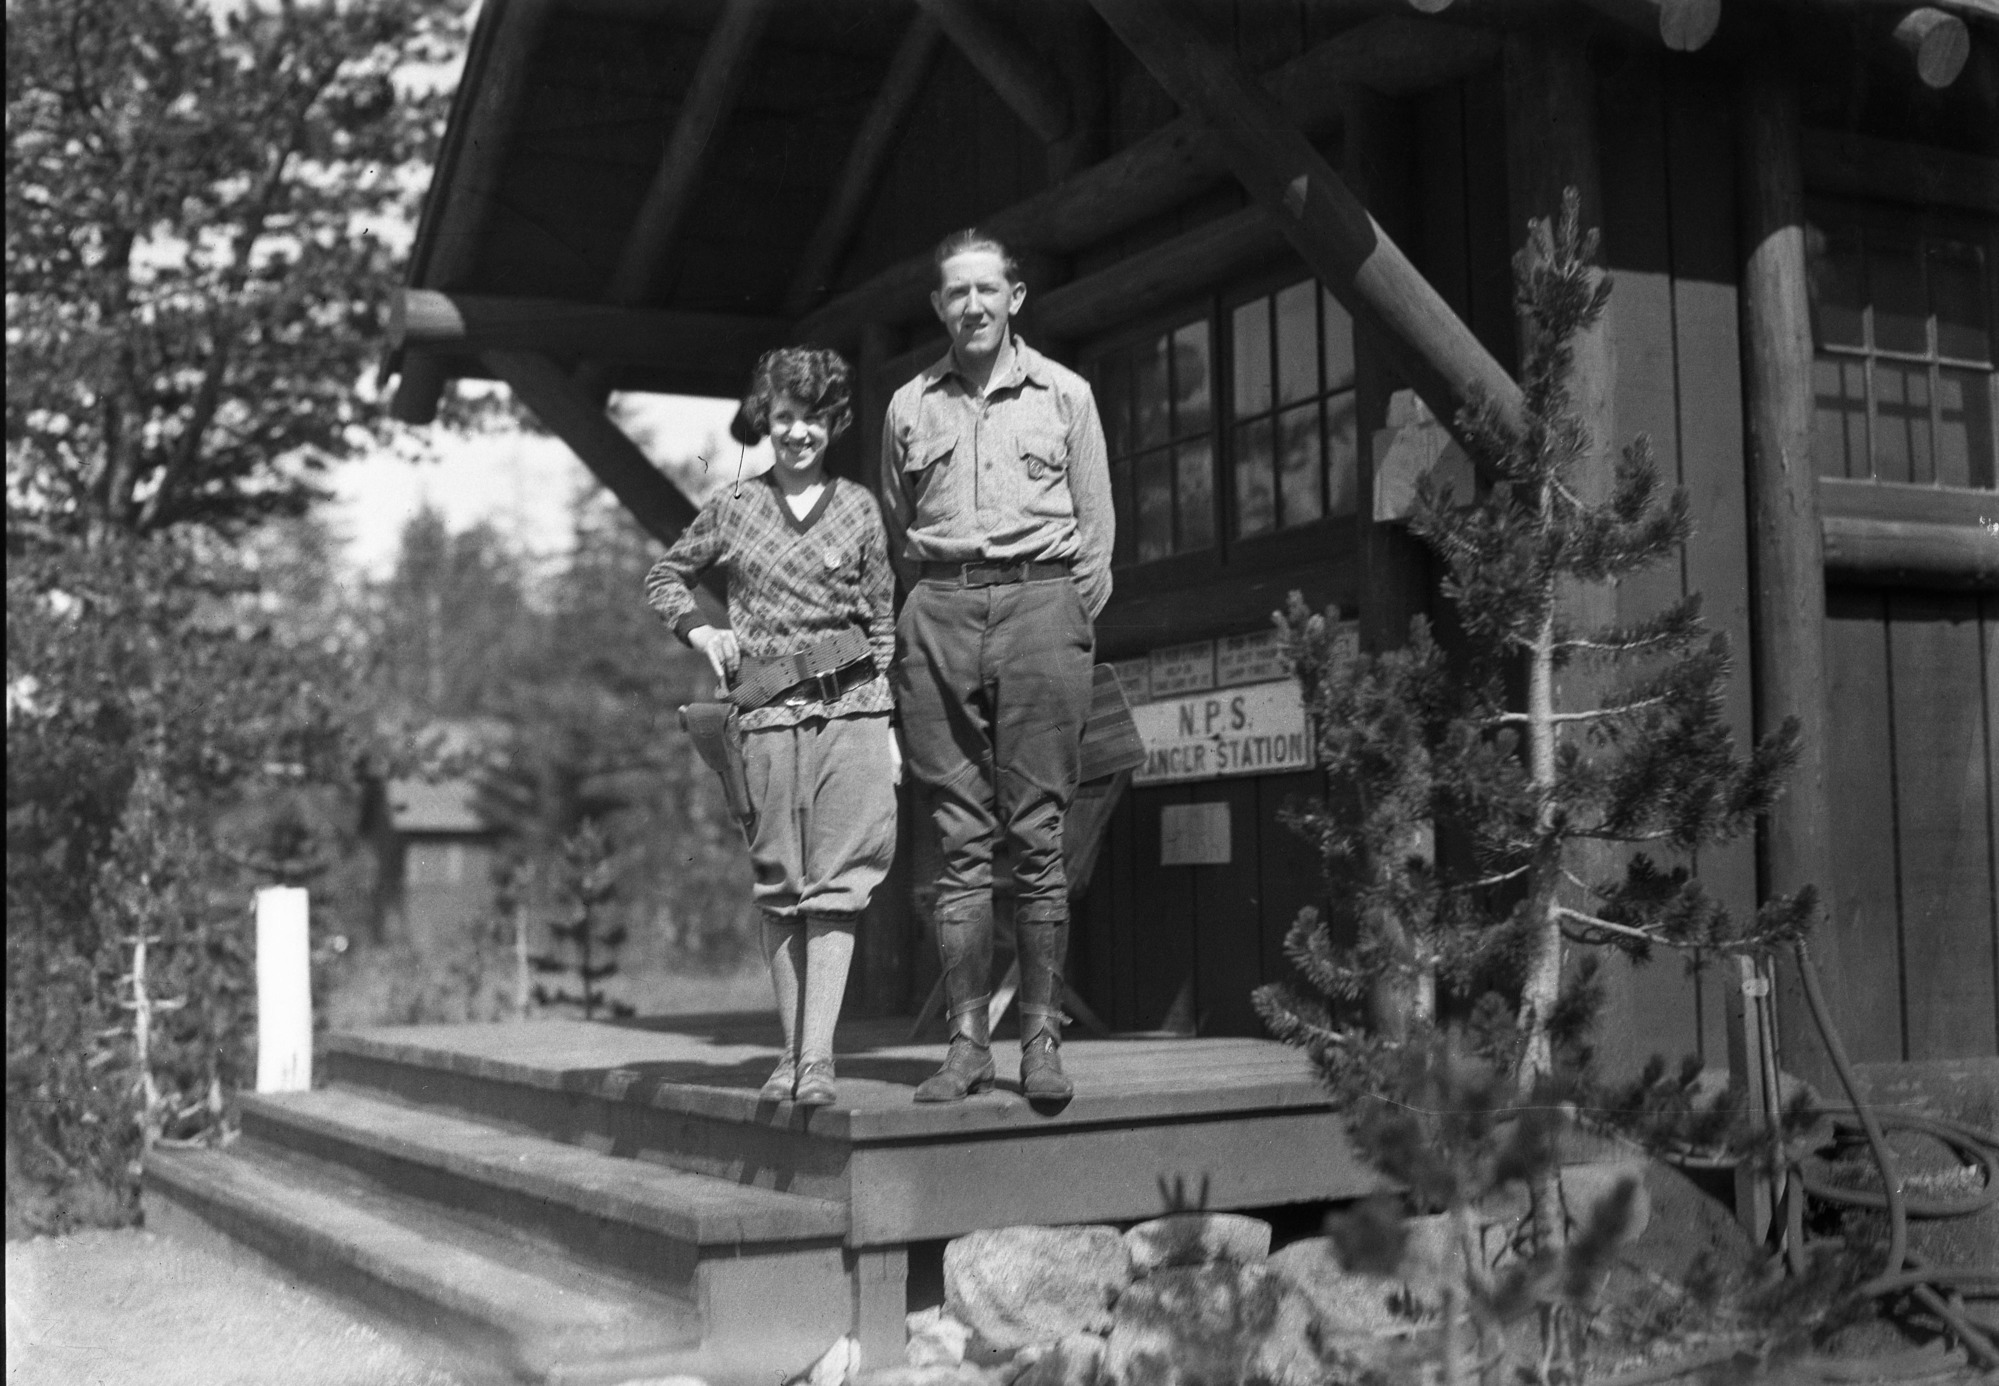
x=826 y=685
x=995 y=574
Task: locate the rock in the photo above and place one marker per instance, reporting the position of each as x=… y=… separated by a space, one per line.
x=1194 y=1239
x=1686 y=1225
x=1077 y=1360
x=1586 y=1187
x=964 y=1374
x=1214 y=1325
x=935 y=1340
x=1019 y=1285
x=1349 y=1302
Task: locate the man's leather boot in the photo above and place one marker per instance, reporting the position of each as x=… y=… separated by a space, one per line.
x=966 y=946
x=1044 y=947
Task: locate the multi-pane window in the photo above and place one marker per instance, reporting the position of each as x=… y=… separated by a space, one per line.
x=1903 y=378
x=1292 y=409
x=1155 y=397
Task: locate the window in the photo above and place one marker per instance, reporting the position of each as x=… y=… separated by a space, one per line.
x=1159 y=425
x=1185 y=485
x=1292 y=410
x=1903 y=377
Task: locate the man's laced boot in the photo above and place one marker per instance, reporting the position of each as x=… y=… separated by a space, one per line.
x=1044 y=944
x=965 y=946
x=968 y=1068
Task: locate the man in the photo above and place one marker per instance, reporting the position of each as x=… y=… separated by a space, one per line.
x=997 y=493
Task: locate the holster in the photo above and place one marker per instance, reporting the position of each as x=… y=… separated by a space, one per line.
x=718 y=739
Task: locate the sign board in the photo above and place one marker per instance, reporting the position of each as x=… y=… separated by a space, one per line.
x=1257 y=730
x=1257 y=658
x=1194 y=835
x=1136 y=677
x=1183 y=669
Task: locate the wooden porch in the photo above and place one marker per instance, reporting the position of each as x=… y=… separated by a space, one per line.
x=570 y=1201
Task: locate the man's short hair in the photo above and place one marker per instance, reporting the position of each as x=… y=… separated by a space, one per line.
x=971 y=238
x=817 y=378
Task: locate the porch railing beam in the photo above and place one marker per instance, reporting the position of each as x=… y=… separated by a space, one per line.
x=1429 y=345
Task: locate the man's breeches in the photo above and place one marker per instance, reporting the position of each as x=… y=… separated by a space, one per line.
x=993 y=684
x=824 y=791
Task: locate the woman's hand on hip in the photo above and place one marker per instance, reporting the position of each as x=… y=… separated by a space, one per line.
x=718 y=643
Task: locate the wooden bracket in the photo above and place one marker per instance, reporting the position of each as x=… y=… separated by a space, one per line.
x=612 y=457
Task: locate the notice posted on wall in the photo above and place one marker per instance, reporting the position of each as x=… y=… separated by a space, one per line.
x=1194 y=835
x=1261 y=729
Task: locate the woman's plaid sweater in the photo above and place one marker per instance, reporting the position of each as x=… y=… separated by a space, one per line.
x=791 y=583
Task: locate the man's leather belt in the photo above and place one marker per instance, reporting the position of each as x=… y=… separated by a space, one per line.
x=825 y=670
x=991 y=573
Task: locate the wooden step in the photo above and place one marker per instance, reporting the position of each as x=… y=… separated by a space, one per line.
x=510 y=1310
x=516 y=1300
x=567 y=1193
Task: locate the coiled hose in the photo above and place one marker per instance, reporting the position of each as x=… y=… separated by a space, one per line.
x=1900 y=1271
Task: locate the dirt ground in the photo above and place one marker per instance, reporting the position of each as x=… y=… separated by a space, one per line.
x=103 y=1308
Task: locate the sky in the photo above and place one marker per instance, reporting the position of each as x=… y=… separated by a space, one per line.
x=522 y=483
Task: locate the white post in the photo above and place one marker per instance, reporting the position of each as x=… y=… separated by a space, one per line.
x=284 y=991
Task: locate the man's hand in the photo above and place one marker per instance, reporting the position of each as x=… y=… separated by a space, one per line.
x=718 y=643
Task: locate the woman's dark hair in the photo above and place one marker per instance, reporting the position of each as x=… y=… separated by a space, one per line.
x=971 y=238
x=817 y=378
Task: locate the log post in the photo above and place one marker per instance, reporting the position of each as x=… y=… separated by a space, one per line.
x=1429 y=345
x=1787 y=568
x=1937 y=43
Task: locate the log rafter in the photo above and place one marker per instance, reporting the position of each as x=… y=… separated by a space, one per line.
x=1352 y=256
x=1013 y=70
x=484 y=118
x=1391 y=55
x=861 y=173
x=725 y=61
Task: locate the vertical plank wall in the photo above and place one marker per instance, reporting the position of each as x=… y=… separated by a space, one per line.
x=1914 y=706
x=1668 y=240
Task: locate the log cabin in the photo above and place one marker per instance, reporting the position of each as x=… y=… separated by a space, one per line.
x=1276 y=237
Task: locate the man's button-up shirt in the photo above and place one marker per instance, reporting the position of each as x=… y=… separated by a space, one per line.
x=1020 y=474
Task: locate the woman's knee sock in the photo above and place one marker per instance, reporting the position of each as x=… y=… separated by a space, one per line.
x=829 y=949
x=784 y=950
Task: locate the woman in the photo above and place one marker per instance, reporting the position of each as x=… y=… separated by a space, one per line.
x=810 y=637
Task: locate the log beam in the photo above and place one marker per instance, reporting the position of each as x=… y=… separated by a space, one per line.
x=467 y=180
x=659 y=506
x=1912 y=553
x=470 y=324
x=1684 y=26
x=866 y=158
x=1010 y=67
x=1860 y=166
x=1788 y=651
x=1428 y=344
x=1938 y=44
x=649 y=245
x=1393 y=55
x=1210 y=253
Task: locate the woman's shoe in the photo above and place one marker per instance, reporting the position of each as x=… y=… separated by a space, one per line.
x=815 y=1082
x=782 y=1082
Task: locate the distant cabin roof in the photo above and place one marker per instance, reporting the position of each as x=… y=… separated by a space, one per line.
x=447 y=806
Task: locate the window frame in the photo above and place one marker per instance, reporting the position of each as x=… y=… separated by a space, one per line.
x=1846 y=207
x=1230 y=555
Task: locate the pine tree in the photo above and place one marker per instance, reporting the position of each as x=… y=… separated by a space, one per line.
x=589 y=882
x=1524 y=781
